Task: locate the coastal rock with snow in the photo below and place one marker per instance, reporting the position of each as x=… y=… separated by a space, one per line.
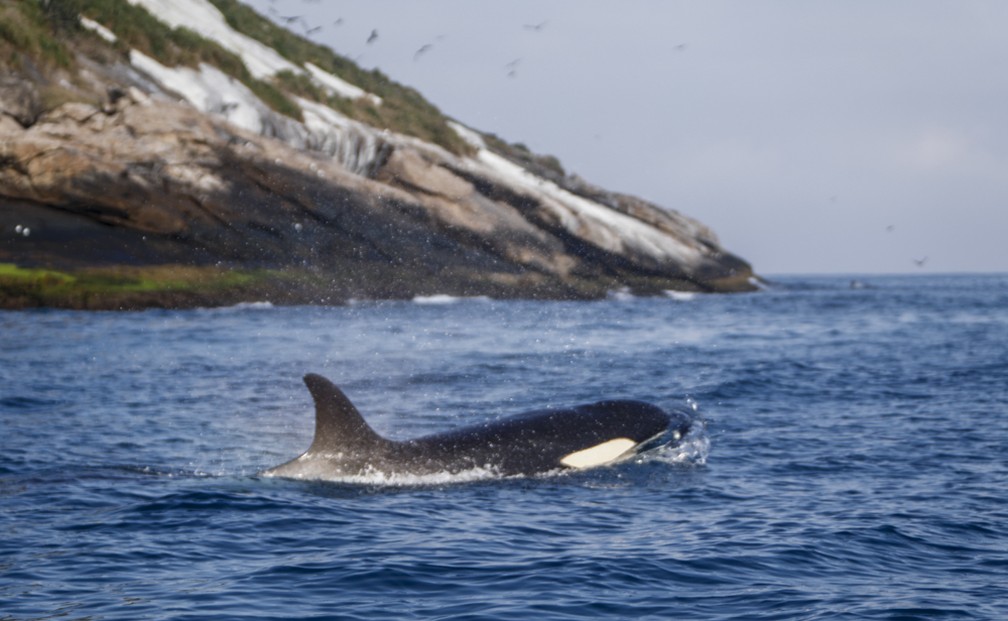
x=153 y=163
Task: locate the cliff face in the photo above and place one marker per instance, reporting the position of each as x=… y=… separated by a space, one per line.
x=155 y=164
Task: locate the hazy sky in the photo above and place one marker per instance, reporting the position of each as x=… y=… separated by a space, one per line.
x=848 y=136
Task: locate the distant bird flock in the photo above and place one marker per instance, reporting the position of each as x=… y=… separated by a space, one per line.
x=308 y=29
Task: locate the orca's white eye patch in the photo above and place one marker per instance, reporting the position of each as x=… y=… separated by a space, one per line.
x=599 y=454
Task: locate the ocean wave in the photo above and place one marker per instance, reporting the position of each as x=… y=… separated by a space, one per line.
x=693 y=450
x=442 y=298
x=622 y=294
x=240 y=306
x=373 y=477
x=681 y=296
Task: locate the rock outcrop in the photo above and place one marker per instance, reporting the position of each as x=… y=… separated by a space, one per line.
x=143 y=178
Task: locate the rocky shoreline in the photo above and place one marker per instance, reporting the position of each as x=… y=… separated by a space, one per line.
x=133 y=174
x=162 y=287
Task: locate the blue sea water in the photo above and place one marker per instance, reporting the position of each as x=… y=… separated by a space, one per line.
x=849 y=459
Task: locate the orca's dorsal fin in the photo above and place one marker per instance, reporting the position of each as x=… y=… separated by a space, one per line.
x=338 y=424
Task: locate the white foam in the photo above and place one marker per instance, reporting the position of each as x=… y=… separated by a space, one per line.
x=681 y=296
x=378 y=478
x=235 y=308
x=621 y=295
x=252 y=305
x=692 y=450
x=441 y=298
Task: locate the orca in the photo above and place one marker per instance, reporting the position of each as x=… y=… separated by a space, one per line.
x=530 y=443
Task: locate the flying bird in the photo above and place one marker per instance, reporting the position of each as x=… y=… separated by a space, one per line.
x=374 y=36
x=536 y=27
x=423 y=50
x=921 y=262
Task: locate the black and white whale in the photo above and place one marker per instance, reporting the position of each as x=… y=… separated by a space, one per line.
x=534 y=442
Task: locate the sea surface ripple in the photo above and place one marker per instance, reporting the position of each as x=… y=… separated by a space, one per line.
x=849 y=460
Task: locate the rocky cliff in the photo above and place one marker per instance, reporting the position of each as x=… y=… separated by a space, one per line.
x=242 y=158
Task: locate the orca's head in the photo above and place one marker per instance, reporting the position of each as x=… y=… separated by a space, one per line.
x=679 y=422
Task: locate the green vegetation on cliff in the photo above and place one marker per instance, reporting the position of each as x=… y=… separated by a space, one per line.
x=27 y=34
x=403 y=109
x=48 y=34
x=136 y=201
x=132 y=287
x=43 y=32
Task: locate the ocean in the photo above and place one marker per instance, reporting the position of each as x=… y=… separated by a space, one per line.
x=848 y=460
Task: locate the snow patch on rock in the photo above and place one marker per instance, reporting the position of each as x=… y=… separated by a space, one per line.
x=354 y=145
x=606 y=228
x=98 y=29
x=339 y=86
x=204 y=19
x=209 y=90
x=261 y=60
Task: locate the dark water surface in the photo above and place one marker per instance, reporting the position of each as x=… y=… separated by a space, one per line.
x=850 y=459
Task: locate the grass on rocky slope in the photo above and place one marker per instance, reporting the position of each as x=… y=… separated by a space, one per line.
x=26 y=32
x=403 y=109
x=46 y=32
x=138 y=29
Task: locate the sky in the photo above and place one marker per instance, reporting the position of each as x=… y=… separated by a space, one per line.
x=852 y=137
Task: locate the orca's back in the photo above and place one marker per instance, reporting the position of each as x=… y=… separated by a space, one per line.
x=538 y=441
